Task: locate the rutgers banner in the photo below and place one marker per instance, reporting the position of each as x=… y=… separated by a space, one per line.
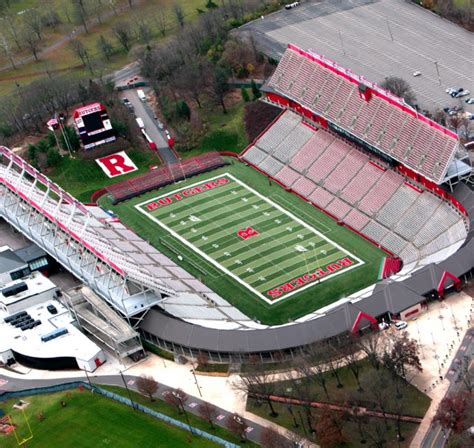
x=116 y=164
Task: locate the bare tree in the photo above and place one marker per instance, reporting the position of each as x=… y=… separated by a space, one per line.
x=237 y=425
x=269 y=438
x=208 y=412
x=378 y=387
x=80 y=12
x=371 y=344
x=400 y=88
x=32 y=43
x=81 y=52
x=178 y=398
x=147 y=385
x=105 y=47
x=33 y=23
x=330 y=430
x=160 y=20
x=123 y=34
x=259 y=386
x=179 y=14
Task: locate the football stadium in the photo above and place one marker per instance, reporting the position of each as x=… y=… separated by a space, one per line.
x=349 y=208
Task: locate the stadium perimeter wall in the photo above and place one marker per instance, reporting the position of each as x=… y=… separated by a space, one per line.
x=294 y=339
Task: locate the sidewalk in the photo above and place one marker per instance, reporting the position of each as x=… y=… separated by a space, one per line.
x=439 y=331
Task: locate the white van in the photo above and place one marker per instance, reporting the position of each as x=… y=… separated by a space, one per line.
x=140 y=123
x=141 y=95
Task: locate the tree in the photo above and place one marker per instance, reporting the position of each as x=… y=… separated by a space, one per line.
x=208 y=412
x=255 y=90
x=179 y=14
x=269 y=438
x=404 y=354
x=123 y=34
x=31 y=42
x=219 y=85
x=378 y=388
x=451 y=411
x=237 y=425
x=80 y=13
x=147 y=385
x=53 y=157
x=350 y=353
x=457 y=120
x=33 y=23
x=160 y=20
x=258 y=385
x=211 y=5
x=245 y=94
x=400 y=88
x=370 y=345
x=81 y=52
x=105 y=47
x=329 y=430
x=178 y=398
x=144 y=32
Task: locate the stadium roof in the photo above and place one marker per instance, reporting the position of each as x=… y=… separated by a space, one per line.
x=366 y=111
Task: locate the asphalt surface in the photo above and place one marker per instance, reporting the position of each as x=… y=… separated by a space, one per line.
x=253 y=430
x=436 y=437
x=378 y=38
x=143 y=111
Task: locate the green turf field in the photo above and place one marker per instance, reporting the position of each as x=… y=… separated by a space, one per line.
x=254 y=240
x=90 y=420
x=274 y=276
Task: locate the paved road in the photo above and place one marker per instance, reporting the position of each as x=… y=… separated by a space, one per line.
x=435 y=437
x=378 y=38
x=254 y=430
x=143 y=111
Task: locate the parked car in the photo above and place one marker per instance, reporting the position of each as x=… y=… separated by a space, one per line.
x=126 y=102
x=470 y=100
x=462 y=93
x=292 y=5
x=52 y=309
x=400 y=325
x=417 y=73
x=450 y=90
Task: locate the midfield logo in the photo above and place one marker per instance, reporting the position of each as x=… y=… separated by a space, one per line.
x=245 y=234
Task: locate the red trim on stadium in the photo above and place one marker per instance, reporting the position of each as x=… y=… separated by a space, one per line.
x=340 y=71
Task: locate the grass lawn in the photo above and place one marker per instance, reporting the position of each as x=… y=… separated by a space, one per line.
x=415 y=403
x=91 y=420
x=225 y=132
x=82 y=177
x=297 y=305
x=63 y=59
x=165 y=408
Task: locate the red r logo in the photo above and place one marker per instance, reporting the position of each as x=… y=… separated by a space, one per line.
x=247 y=233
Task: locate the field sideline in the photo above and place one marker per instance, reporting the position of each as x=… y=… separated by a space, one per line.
x=311 y=229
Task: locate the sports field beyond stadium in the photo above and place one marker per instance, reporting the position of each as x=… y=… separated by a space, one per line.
x=257 y=242
x=268 y=272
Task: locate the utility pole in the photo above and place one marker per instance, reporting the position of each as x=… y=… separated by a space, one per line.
x=128 y=391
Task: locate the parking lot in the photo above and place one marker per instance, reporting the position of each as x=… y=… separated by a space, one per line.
x=379 y=38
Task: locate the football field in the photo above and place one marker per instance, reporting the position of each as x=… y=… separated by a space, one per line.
x=251 y=238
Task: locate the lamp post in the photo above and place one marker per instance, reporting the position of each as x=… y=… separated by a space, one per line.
x=195 y=380
x=180 y=399
x=128 y=391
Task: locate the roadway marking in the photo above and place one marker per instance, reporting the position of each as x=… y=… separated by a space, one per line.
x=3 y=382
x=220 y=417
x=131 y=382
x=193 y=404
